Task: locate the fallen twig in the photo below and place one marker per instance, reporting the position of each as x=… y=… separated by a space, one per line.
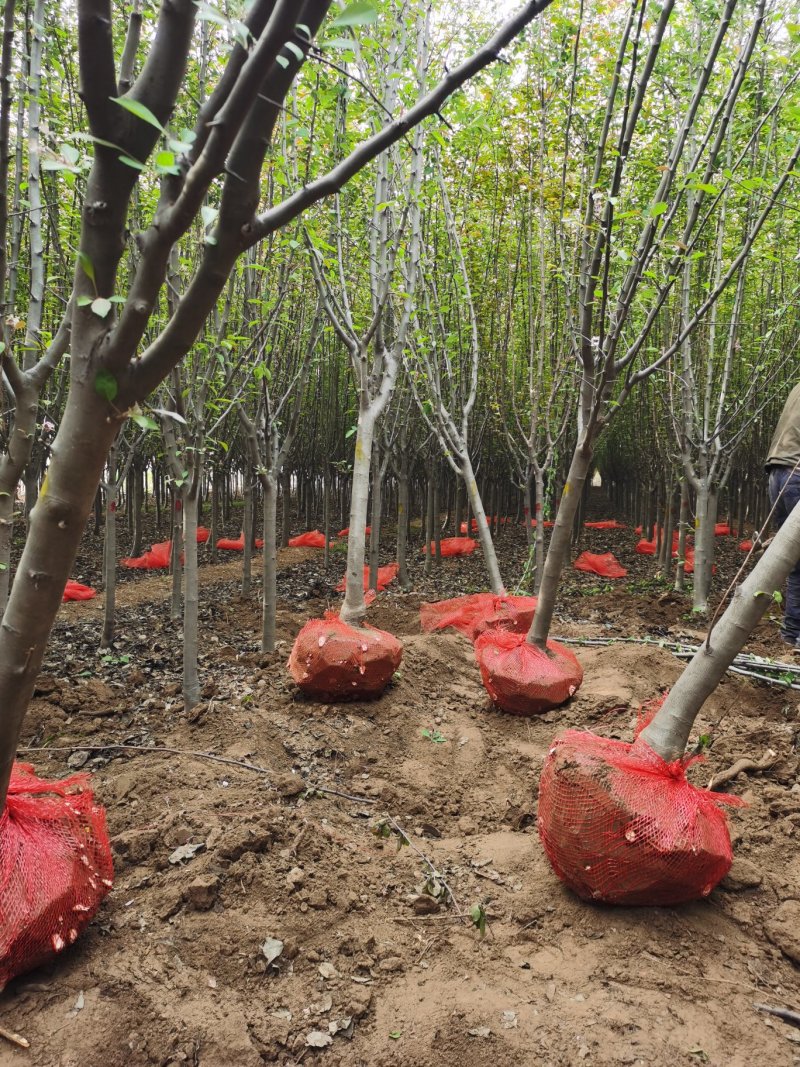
x=744 y=764
x=790 y=1017
x=428 y=863
x=15 y=1039
x=241 y=764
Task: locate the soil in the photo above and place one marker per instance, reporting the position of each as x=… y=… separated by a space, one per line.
x=305 y=849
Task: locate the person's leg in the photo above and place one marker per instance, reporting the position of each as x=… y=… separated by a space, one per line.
x=781 y=478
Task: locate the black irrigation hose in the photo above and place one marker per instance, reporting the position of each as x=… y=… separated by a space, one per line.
x=742 y=664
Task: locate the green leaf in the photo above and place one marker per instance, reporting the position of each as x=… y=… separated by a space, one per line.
x=165 y=163
x=359 y=13
x=105 y=385
x=207 y=13
x=101 y=306
x=395 y=1035
x=657 y=209
x=296 y=50
x=139 y=110
x=284 y=62
x=129 y=162
x=340 y=42
x=478 y=915
x=145 y=422
x=83 y=301
x=86 y=265
x=208 y=214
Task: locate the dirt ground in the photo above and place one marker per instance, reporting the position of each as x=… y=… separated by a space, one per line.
x=174 y=969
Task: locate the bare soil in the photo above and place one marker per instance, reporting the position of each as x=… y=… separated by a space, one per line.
x=174 y=971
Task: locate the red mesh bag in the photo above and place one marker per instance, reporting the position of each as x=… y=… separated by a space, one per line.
x=157 y=557
x=473 y=614
x=604 y=563
x=203 y=534
x=346 y=532
x=331 y=660
x=230 y=545
x=745 y=546
x=520 y=678
x=722 y=529
x=76 y=591
x=386 y=575
x=55 y=868
x=454 y=546
x=620 y=825
x=605 y=524
x=311 y=539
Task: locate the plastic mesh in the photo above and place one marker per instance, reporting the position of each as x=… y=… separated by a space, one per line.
x=229 y=545
x=155 y=558
x=454 y=546
x=605 y=524
x=311 y=539
x=331 y=660
x=620 y=825
x=722 y=529
x=473 y=614
x=346 y=531
x=604 y=563
x=386 y=575
x=76 y=591
x=521 y=678
x=746 y=545
x=55 y=868
x=473 y=525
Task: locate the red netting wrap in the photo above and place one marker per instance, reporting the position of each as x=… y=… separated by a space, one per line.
x=310 y=539
x=229 y=545
x=346 y=532
x=521 y=678
x=157 y=557
x=473 y=614
x=386 y=575
x=55 y=868
x=604 y=563
x=331 y=660
x=620 y=825
x=605 y=524
x=746 y=545
x=76 y=591
x=203 y=534
x=722 y=529
x=454 y=546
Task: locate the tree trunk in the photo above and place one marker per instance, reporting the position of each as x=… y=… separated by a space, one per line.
x=559 y=550
x=539 y=530
x=683 y=528
x=354 y=608
x=110 y=553
x=247 y=530
x=669 y=731
x=402 y=527
x=705 y=521
x=484 y=533
x=191 y=600
x=269 y=564
x=176 y=608
x=56 y=527
x=375 y=520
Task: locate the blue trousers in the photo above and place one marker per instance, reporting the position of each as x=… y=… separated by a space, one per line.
x=778 y=478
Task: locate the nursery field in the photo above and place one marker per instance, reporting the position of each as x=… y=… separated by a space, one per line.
x=266 y=910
